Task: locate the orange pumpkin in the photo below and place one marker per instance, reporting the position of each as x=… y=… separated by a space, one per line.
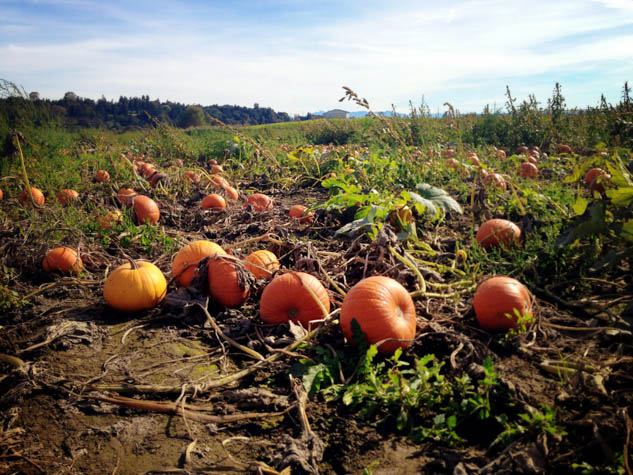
x=145 y=208
x=591 y=175
x=65 y=196
x=598 y=182
x=384 y=310
x=231 y=192
x=124 y=195
x=299 y=212
x=496 y=300
x=192 y=176
x=562 y=148
x=62 y=259
x=522 y=150
x=1 y=194
x=147 y=170
x=156 y=178
x=500 y=154
x=260 y=202
x=38 y=197
x=134 y=286
x=228 y=281
x=102 y=176
x=217 y=169
x=533 y=159
x=448 y=153
x=401 y=215
x=179 y=163
x=109 y=219
x=495 y=180
x=218 y=181
x=498 y=232
x=528 y=170
x=287 y=297
x=261 y=263
x=452 y=163
x=213 y=201
x=184 y=265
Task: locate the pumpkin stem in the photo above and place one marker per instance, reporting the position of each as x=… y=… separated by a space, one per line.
x=131 y=261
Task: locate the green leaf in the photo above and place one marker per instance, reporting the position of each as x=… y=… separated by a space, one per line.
x=580 y=206
x=621 y=197
x=355 y=227
x=432 y=197
x=579 y=171
x=620 y=176
x=313 y=378
x=627 y=230
x=592 y=222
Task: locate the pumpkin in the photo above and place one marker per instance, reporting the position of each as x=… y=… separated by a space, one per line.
x=38 y=197
x=591 y=175
x=185 y=262
x=259 y=202
x=192 y=176
x=138 y=165
x=124 y=195
x=498 y=232
x=528 y=170
x=179 y=163
x=400 y=215
x=228 y=281
x=562 y=148
x=145 y=208
x=522 y=150
x=218 y=181
x=231 y=192
x=261 y=263
x=134 y=286
x=535 y=148
x=329 y=175
x=217 y=169
x=147 y=170
x=156 y=178
x=383 y=309
x=102 y=176
x=496 y=300
x=496 y=180
x=62 y=259
x=213 y=161
x=452 y=163
x=299 y=212
x=65 y=196
x=109 y=219
x=213 y=201
x=500 y=154
x=448 y=153
x=598 y=182
x=287 y=297
x=1 y=194
x=533 y=159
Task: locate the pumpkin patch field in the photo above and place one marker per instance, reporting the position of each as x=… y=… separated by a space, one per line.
x=377 y=295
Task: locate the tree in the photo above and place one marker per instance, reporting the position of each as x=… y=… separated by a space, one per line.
x=70 y=96
x=34 y=96
x=193 y=116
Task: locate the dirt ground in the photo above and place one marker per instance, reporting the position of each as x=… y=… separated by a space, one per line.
x=70 y=404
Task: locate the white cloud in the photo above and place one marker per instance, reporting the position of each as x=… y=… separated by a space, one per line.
x=390 y=55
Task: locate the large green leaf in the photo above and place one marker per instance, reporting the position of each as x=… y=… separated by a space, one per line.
x=621 y=197
x=579 y=170
x=592 y=222
x=434 y=198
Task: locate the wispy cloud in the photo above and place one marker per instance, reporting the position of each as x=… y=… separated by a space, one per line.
x=295 y=55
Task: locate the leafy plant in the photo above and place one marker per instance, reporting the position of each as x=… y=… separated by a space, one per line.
x=535 y=422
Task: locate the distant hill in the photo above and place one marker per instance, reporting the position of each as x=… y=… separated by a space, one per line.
x=358 y=114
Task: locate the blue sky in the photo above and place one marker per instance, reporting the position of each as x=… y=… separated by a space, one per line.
x=295 y=55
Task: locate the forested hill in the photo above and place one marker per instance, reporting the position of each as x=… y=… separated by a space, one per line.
x=74 y=111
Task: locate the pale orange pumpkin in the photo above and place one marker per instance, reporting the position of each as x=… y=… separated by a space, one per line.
x=591 y=175
x=65 y=196
x=64 y=260
x=498 y=232
x=501 y=154
x=1 y=194
x=400 y=216
x=134 y=286
x=287 y=297
x=218 y=181
x=562 y=148
x=38 y=197
x=145 y=208
x=259 y=202
x=261 y=263
x=522 y=150
x=102 y=176
x=147 y=170
x=213 y=201
x=192 y=176
x=383 y=309
x=496 y=300
x=301 y=213
x=228 y=281
x=184 y=265
x=217 y=169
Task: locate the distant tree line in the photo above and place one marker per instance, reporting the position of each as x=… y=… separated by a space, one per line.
x=126 y=113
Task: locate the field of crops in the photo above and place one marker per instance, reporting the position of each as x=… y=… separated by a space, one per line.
x=442 y=304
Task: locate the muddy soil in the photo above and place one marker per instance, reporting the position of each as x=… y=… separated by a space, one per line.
x=96 y=391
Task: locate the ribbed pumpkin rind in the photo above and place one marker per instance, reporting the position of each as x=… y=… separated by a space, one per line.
x=261 y=258
x=498 y=232
x=372 y=303
x=498 y=296
x=192 y=254
x=131 y=290
x=286 y=291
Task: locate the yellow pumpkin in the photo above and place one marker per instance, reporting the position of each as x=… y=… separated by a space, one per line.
x=135 y=286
